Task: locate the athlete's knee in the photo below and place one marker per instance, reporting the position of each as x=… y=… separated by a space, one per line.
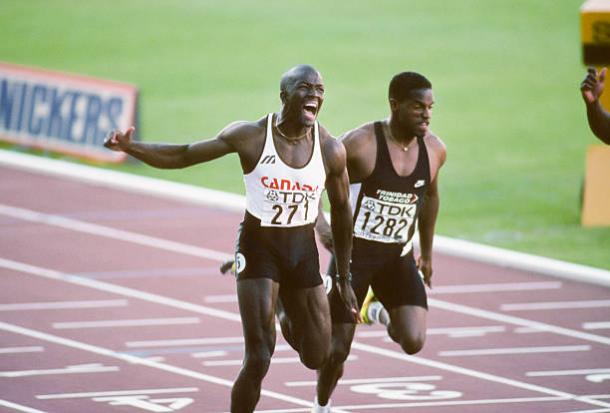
x=338 y=353
x=412 y=344
x=313 y=359
x=256 y=363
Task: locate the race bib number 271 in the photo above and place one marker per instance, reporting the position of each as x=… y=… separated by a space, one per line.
x=287 y=209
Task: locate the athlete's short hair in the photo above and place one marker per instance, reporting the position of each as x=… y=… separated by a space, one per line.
x=403 y=83
x=293 y=74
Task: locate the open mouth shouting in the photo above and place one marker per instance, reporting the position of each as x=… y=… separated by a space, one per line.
x=310 y=109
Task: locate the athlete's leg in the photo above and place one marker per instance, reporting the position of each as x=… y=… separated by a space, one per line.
x=309 y=319
x=285 y=323
x=407 y=326
x=332 y=370
x=402 y=304
x=257 y=297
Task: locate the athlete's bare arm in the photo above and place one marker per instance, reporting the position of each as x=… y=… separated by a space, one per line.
x=242 y=137
x=361 y=148
x=323 y=229
x=592 y=88
x=337 y=188
x=437 y=154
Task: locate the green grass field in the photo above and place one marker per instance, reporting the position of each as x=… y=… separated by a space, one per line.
x=505 y=75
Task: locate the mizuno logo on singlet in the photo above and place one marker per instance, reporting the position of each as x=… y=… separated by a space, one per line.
x=419 y=183
x=269 y=159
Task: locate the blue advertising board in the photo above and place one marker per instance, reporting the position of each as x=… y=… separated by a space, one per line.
x=62 y=112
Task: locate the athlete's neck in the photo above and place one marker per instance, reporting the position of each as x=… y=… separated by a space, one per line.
x=397 y=134
x=290 y=131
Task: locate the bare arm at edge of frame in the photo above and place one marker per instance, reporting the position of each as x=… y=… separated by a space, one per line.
x=592 y=88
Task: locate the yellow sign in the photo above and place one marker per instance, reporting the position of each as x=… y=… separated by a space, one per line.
x=596 y=196
x=595 y=32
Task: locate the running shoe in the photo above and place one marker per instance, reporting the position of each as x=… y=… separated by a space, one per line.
x=228 y=266
x=364 y=311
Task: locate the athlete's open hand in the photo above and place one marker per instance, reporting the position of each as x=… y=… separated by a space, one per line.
x=425 y=267
x=118 y=141
x=346 y=292
x=593 y=85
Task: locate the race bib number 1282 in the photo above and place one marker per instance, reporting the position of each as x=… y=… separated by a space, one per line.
x=383 y=221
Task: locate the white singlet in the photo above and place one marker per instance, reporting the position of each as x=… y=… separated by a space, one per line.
x=280 y=195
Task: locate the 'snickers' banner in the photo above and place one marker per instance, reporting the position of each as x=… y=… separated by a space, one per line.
x=63 y=112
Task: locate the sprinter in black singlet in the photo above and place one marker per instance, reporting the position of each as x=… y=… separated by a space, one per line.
x=393 y=165
x=287 y=160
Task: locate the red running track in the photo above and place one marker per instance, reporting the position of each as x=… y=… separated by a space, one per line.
x=112 y=302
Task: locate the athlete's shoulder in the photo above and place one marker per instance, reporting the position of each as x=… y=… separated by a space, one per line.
x=241 y=128
x=360 y=140
x=436 y=146
x=359 y=134
x=333 y=153
x=243 y=132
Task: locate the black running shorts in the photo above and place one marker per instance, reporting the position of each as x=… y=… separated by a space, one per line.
x=288 y=256
x=395 y=279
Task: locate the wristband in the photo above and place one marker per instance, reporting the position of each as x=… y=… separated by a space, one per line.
x=348 y=277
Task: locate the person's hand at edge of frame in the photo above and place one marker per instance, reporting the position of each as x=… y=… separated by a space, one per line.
x=346 y=292
x=592 y=86
x=117 y=140
x=425 y=268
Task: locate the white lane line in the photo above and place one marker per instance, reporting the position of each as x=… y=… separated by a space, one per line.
x=116 y=289
x=565 y=372
x=116 y=393
x=473 y=373
x=126 y=323
x=209 y=354
x=457 y=332
x=274 y=360
x=557 y=305
x=601 y=325
x=588 y=411
x=19 y=407
x=366 y=381
x=221 y=298
x=447 y=289
x=185 y=342
x=371 y=349
x=453 y=332
x=137 y=360
x=528 y=330
x=103 y=231
x=369 y=407
x=512 y=350
x=499 y=287
x=60 y=305
x=24 y=349
x=490 y=315
x=153 y=272
x=76 y=369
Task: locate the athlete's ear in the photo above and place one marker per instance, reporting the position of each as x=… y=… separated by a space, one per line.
x=393 y=104
x=283 y=96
